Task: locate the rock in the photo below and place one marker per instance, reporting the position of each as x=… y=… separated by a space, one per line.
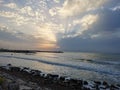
x=73 y=81
x=20 y=81
x=32 y=84
x=102 y=87
x=55 y=76
x=35 y=72
x=85 y=83
x=52 y=76
x=67 y=79
x=85 y=88
x=42 y=74
x=97 y=87
x=118 y=85
x=17 y=69
x=62 y=78
x=9 y=65
x=113 y=87
x=24 y=87
x=13 y=86
x=105 y=83
x=97 y=82
x=1 y=88
x=80 y=82
x=38 y=88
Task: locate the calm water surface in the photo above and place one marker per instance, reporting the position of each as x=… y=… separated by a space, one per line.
x=87 y=66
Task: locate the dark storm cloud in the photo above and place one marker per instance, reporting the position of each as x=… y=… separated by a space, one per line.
x=107 y=31
x=109 y=20
x=98 y=45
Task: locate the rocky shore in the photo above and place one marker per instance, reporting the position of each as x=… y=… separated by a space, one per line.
x=23 y=78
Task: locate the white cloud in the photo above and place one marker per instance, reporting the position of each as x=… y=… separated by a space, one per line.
x=52 y=12
x=94 y=36
x=116 y=8
x=14 y=17
x=11 y=5
x=56 y=1
x=83 y=24
x=27 y=10
x=87 y=21
x=75 y=7
x=8 y=14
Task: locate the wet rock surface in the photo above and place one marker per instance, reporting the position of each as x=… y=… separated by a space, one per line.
x=22 y=78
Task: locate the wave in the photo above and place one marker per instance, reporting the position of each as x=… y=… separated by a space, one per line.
x=99 y=62
x=66 y=65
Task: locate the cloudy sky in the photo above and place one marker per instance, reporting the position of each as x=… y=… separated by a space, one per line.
x=69 y=25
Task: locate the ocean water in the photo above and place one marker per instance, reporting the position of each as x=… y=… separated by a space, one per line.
x=86 y=66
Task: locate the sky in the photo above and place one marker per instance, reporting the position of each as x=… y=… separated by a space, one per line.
x=68 y=25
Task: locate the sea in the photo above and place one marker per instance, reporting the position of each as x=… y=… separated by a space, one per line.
x=78 y=65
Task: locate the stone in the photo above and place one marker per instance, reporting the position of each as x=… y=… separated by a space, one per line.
x=73 y=81
x=55 y=76
x=118 y=85
x=13 y=86
x=62 y=78
x=112 y=87
x=24 y=87
x=17 y=69
x=80 y=82
x=38 y=88
x=85 y=83
x=97 y=82
x=1 y=88
x=105 y=83
x=97 y=87
x=85 y=88
x=102 y=87
x=9 y=65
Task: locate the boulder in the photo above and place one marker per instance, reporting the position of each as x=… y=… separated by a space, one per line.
x=16 y=69
x=97 y=82
x=105 y=83
x=85 y=83
x=62 y=78
x=80 y=83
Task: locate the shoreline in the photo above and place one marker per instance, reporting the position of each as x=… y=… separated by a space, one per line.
x=55 y=82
